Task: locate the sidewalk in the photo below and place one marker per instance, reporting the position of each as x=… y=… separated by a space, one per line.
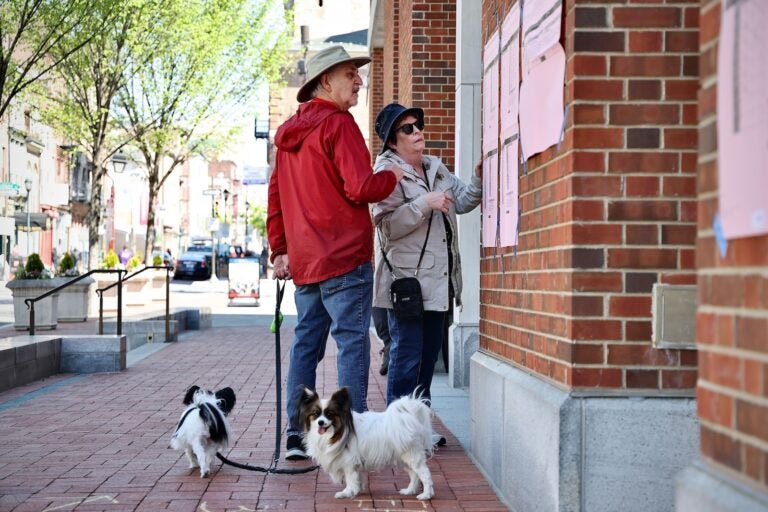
x=100 y=442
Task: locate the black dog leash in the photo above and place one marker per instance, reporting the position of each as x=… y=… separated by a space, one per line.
x=278 y=422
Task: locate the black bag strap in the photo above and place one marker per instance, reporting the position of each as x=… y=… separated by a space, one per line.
x=421 y=255
x=423 y=247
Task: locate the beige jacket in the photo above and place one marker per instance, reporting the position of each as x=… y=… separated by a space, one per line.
x=402 y=220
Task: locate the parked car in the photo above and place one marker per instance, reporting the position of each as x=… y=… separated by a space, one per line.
x=193 y=265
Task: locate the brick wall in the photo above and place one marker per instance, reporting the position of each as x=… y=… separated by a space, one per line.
x=419 y=67
x=375 y=97
x=391 y=51
x=609 y=214
x=732 y=322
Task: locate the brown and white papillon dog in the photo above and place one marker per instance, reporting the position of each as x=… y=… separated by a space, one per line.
x=203 y=428
x=345 y=442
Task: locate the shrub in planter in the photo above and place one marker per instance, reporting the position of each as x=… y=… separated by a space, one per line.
x=67 y=266
x=133 y=263
x=31 y=281
x=110 y=260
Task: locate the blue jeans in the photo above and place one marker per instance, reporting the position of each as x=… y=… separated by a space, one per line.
x=343 y=304
x=413 y=353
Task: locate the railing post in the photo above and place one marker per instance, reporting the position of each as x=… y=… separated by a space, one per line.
x=167 y=304
x=101 y=311
x=32 y=318
x=119 y=302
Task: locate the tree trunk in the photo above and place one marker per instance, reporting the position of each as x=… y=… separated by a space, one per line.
x=151 y=232
x=94 y=212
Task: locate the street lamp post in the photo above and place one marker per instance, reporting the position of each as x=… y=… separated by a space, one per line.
x=247 y=207
x=28 y=186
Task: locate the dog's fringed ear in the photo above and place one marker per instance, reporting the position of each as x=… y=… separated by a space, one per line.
x=190 y=396
x=307 y=400
x=343 y=404
x=226 y=398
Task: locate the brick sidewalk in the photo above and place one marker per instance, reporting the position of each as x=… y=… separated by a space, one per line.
x=100 y=442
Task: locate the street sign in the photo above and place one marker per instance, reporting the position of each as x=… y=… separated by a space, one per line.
x=255 y=175
x=9 y=189
x=211 y=192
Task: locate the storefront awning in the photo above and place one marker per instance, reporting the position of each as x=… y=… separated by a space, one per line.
x=37 y=221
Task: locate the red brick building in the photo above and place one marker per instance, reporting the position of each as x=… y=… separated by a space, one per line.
x=613 y=351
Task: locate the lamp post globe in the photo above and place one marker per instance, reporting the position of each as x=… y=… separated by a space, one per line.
x=28 y=186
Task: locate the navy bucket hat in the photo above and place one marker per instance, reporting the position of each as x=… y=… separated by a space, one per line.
x=389 y=116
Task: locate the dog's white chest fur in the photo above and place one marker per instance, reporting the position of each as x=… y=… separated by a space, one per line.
x=345 y=443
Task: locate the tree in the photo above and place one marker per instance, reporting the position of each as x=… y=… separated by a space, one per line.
x=36 y=36
x=207 y=59
x=85 y=85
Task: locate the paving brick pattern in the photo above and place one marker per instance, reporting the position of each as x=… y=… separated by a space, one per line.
x=100 y=442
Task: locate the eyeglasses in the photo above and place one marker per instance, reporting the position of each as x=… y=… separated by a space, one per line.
x=408 y=127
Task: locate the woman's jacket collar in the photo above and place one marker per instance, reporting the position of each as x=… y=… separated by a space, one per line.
x=430 y=163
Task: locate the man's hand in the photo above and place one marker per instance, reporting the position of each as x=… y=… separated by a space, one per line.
x=479 y=169
x=281 y=268
x=397 y=171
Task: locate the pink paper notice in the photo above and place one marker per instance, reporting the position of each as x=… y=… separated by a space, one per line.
x=541 y=28
x=508 y=196
x=541 y=102
x=490 y=201
x=510 y=73
x=491 y=94
x=510 y=127
x=742 y=118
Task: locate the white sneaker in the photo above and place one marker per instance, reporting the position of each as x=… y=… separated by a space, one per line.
x=438 y=439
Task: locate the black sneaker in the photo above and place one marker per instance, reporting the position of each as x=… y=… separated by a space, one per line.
x=295 y=448
x=384 y=360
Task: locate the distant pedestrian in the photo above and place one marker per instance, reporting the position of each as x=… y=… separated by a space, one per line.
x=125 y=255
x=320 y=229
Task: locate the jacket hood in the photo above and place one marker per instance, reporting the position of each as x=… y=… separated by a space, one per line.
x=310 y=115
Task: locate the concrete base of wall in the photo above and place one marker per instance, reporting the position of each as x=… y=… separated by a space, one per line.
x=463 y=342
x=545 y=449
x=702 y=488
x=93 y=354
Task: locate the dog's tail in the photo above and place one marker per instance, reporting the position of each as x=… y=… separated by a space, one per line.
x=415 y=413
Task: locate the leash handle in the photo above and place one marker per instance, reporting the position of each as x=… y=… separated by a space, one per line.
x=280 y=290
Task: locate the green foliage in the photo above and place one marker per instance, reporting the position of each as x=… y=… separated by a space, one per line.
x=208 y=59
x=257 y=217
x=157 y=260
x=67 y=266
x=37 y=36
x=110 y=260
x=33 y=269
x=133 y=263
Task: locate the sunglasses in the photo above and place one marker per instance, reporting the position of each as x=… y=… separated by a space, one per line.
x=408 y=128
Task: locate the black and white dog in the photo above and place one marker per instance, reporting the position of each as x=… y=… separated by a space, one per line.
x=203 y=428
x=345 y=442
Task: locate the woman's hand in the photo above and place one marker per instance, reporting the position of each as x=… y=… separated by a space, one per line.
x=479 y=169
x=439 y=201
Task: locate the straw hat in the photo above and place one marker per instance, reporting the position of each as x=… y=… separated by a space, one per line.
x=321 y=62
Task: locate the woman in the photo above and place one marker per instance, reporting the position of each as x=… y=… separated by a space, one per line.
x=420 y=213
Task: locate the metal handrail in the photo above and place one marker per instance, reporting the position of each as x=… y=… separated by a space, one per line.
x=31 y=301
x=100 y=293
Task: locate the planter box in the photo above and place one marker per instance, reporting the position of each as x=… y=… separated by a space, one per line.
x=137 y=290
x=46 y=310
x=74 y=300
x=110 y=297
x=158 y=285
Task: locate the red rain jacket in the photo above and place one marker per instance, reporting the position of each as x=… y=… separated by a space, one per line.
x=319 y=193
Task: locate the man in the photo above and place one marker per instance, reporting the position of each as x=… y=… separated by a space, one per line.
x=320 y=229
